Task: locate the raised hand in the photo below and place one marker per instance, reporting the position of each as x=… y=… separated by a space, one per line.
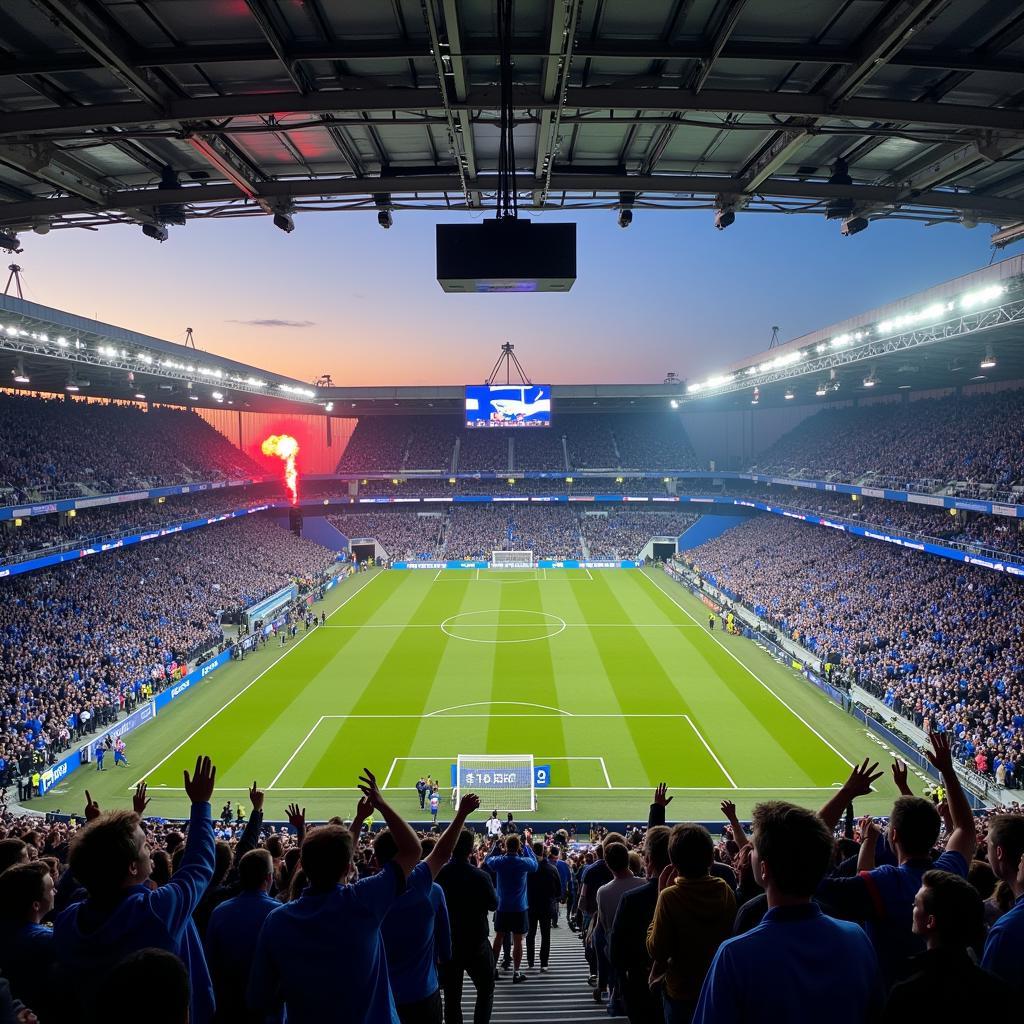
x=944 y=814
x=297 y=816
x=140 y=801
x=92 y=808
x=364 y=809
x=861 y=778
x=199 y=788
x=729 y=810
x=661 y=797
x=369 y=788
x=667 y=877
x=256 y=796
x=870 y=830
x=469 y=803
x=899 y=776
x=940 y=755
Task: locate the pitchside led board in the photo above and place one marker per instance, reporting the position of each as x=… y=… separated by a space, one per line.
x=498 y=778
x=508 y=405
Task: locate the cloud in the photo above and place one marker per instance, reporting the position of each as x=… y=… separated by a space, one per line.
x=274 y=323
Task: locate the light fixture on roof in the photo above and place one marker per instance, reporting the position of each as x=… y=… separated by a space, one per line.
x=871 y=379
x=987 y=363
x=626 y=201
x=853 y=226
x=20 y=376
x=329 y=407
x=790 y=395
x=756 y=397
x=674 y=403
x=382 y=200
x=140 y=396
x=283 y=219
x=724 y=218
x=158 y=232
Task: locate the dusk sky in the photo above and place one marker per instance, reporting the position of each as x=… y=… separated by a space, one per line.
x=342 y=296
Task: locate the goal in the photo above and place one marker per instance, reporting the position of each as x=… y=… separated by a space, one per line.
x=503 y=782
x=512 y=560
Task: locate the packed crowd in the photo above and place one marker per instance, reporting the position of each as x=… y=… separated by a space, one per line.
x=64 y=445
x=637 y=441
x=977 y=440
x=39 y=533
x=940 y=642
x=549 y=531
x=919 y=916
x=625 y=534
x=80 y=639
x=403 y=535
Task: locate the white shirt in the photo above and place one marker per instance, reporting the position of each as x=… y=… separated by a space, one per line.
x=493 y=826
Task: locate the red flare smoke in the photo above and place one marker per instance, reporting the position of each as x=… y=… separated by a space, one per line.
x=284 y=446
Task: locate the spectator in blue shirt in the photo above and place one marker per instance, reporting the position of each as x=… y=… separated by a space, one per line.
x=417 y=937
x=1004 y=948
x=797 y=964
x=326 y=946
x=26 y=946
x=110 y=858
x=511 y=869
x=231 y=935
x=883 y=897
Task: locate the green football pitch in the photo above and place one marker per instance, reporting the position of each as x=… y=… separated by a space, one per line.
x=610 y=677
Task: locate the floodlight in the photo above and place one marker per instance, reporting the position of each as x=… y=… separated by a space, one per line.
x=140 y=396
x=625 y=218
x=283 y=220
x=789 y=395
x=853 y=226
x=986 y=364
x=822 y=390
x=723 y=218
x=9 y=242
x=329 y=407
x=158 y=232
x=869 y=381
x=20 y=376
x=674 y=403
x=384 y=219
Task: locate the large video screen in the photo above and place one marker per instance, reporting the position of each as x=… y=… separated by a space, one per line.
x=508 y=405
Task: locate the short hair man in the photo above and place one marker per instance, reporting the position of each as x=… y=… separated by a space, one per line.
x=155 y=979
x=416 y=931
x=883 y=896
x=231 y=935
x=110 y=858
x=628 y=941
x=944 y=983
x=510 y=869
x=1004 y=948
x=543 y=888
x=469 y=893
x=796 y=964
x=26 y=947
x=693 y=918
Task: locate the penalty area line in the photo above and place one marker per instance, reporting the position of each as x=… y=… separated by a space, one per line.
x=252 y=682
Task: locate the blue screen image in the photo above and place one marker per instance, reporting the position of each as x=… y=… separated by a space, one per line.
x=508 y=405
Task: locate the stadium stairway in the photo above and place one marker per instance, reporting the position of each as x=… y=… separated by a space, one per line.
x=562 y=996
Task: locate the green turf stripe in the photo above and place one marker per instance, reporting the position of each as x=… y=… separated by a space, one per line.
x=792 y=740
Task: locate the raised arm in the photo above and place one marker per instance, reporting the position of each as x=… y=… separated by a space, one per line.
x=899 y=776
x=869 y=833
x=297 y=820
x=962 y=839
x=729 y=810
x=251 y=834
x=858 y=784
x=656 y=814
x=407 y=853
x=442 y=853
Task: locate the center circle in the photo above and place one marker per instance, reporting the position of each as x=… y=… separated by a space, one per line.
x=502 y=626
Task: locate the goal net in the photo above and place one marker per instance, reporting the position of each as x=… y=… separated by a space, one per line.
x=503 y=782
x=511 y=559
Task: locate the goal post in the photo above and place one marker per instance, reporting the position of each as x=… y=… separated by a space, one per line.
x=512 y=560
x=504 y=782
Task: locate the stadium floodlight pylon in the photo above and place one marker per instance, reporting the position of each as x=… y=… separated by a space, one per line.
x=504 y=782
x=512 y=560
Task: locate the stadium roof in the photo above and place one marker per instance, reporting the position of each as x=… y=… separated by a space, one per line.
x=156 y=111
x=967 y=330
x=48 y=349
